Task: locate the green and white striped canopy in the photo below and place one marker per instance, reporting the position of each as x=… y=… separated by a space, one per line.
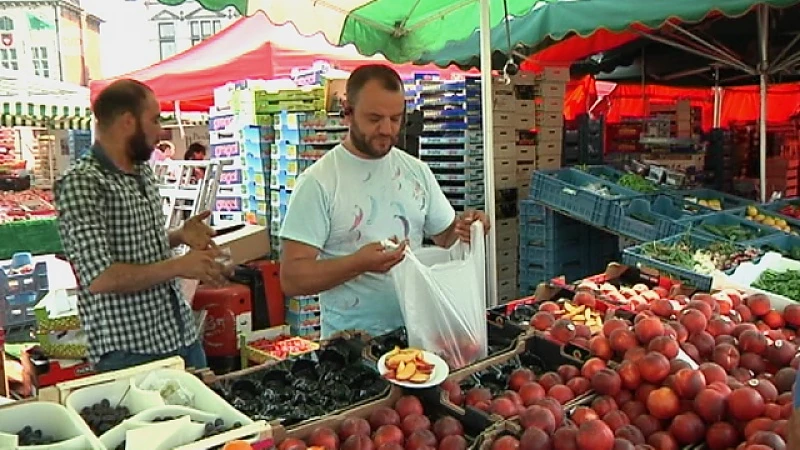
x=45 y=116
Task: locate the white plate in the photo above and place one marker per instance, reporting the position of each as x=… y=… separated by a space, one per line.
x=439 y=374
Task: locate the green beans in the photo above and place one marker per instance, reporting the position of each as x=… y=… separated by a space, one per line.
x=785 y=283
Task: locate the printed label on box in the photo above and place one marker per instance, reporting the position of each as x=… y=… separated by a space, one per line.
x=220 y=123
x=225 y=150
x=231 y=176
x=228 y=204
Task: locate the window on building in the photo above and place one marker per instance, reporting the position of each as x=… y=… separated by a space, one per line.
x=8 y=58
x=204 y=29
x=6 y=24
x=41 y=61
x=166 y=39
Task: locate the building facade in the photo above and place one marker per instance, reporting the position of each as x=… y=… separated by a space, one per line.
x=178 y=28
x=54 y=39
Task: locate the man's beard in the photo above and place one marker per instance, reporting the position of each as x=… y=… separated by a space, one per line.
x=361 y=143
x=140 y=150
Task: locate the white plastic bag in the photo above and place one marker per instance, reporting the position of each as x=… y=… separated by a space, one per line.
x=443 y=298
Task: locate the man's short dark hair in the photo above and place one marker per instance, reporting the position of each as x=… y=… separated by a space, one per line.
x=119 y=97
x=388 y=77
x=194 y=149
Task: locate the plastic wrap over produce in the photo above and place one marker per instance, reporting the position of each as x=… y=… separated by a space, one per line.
x=443 y=297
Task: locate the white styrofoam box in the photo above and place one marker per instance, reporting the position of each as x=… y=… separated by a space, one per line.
x=235 y=190
x=223 y=219
x=747 y=274
x=52 y=419
x=231 y=203
x=232 y=175
x=221 y=122
x=223 y=95
x=146 y=404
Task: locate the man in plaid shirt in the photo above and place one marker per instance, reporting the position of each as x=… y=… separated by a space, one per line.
x=112 y=225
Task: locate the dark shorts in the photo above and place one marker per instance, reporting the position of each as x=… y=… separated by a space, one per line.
x=193 y=355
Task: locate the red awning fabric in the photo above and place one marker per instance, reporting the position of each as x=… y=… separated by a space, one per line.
x=251 y=48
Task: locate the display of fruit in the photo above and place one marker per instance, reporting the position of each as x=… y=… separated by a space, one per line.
x=29 y=436
x=304 y=387
x=791 y=210
x=633 y=295
x=582 y=314
x=282 y=347
x=705 y=259
x=771 y=220
x=407 y=364
x=102 y=417
x=711 y=203
x=403 y=427
x=733 y=390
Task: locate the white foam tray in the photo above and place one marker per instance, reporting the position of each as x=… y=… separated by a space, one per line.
x=53 y=419
x=146 y=405
x=747 y=273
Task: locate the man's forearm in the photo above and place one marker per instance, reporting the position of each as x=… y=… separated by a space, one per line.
x=310 y=277
x=122 y=278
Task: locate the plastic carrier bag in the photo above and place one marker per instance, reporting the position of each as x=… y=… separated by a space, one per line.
x=443 y=298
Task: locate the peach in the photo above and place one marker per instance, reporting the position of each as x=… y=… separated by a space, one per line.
x=583 y=414
x=622 y=340
x=538 y=417
x=324 y=437
x=719 y=325
x=414 y=422
x=663 y=403
x=753 y=362
x=453 y=391
x=505 y=443
x=407 y=405
x=555 y=407
x=550 y=307
x=447 y=426
x=774 y=319
x=592 y=366
x=421 y=439
x=644 y=391
x=654 y=367
x=713 y=372
x=622 y=444
x=292 y=444
x=781 y=353
x=565 y=439
x=600 y=347
x=688 y=383
x=383 y=416
x=647 y=424
x=531 y=392
x=542 y=321
x=562 y=393
x=703 y=307
x=691 y=351
x=648 y=329
x=743 y=312
x=595 y=435
x=784 y=379
x=563 y=331
x=585 y=298
x=534 y=439
x=746 y=403
x=353 y=426
x=681 y=333
x=662 y=308
x=630 y=433
x=568 y=371
x=752 y=340
x=614 y=324
x=503 y=407
x=765 y=387
x=388 y=434
x=634 y=354
x=358 y=442
x=741 y=328
x=759 y=304
x=704 y=343
x=710 y=405
x=550 y=379
x=726 y=356
x=768 y=439
x=725 y=339
x=665 y=345
x=694 y=320
x=579 y=385
x=519 y=377
x=721 y=436
x=634 y=409
x=477 y=395
x=604 y=404
x=629 y=375
x=606 y=382
x=453 y=442
x=624 y=396
x=661 y=440
x=616 y=419
x=687 y=428
x=791 y=314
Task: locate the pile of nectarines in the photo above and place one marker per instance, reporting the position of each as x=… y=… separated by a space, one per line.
x=404 y=427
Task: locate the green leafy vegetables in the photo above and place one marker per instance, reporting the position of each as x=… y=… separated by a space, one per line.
x=785 y=283
x=701 y=259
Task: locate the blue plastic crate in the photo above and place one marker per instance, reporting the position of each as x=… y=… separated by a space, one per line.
x=303 y=319
x=695 y=225
x=651 y=217
x=785 y=244
x=566 y=190
x=540 y=234
x=728 y=201
x=777 y=205
x=634 y=256
x=553 y=255
x=19 y=293
x=792 y=223
x=529 y=279
x=603 y=246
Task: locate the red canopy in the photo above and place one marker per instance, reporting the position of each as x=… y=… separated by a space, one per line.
x=251 y=48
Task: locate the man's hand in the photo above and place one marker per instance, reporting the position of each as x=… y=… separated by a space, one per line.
x=195 y=233
x=464 y=224
x=375 y=258
x=205 y=266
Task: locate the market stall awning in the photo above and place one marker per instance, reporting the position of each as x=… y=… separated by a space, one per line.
x=18 y=113
x=251 y=48
x=445 y=31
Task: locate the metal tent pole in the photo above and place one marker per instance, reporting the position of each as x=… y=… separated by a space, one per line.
x=488 y=150
x=763 y=37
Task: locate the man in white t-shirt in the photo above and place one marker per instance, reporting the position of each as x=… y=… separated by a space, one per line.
x=360 y=193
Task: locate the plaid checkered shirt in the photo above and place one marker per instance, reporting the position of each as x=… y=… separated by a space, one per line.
x=107 y=216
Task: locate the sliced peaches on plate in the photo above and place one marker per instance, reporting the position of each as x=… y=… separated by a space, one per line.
x=408 y=365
